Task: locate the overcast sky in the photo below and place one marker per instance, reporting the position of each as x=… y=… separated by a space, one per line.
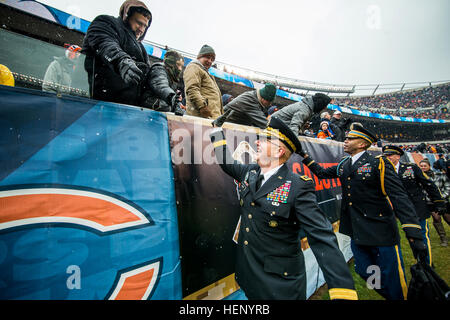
x=330 y=41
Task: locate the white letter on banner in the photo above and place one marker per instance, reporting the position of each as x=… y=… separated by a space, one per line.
x=181 y=151
x=73 y=22
x=374 y=281
x=74 y=281
x=208 y=152
x=198 y=143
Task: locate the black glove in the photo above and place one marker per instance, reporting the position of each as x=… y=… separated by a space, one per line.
x=220 y=120
x=175 y=100
x=216 y=124
x=418 y=248
x=179 y=111
x=129 y=71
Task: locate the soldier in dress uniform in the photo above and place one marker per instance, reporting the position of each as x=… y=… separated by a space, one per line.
x=372 y=196
x=415 y=183
x=275 y=205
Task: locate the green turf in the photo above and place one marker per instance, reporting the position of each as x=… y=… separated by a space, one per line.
x=440 y=259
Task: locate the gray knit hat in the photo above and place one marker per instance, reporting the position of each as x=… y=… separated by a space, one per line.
x=205 y=50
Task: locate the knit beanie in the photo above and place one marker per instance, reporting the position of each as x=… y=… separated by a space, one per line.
x=268 y=92
x=205 y=50
x=226 y=98
x=324 y=122
x=320 y=101
x=171 y=57
x=170 y=61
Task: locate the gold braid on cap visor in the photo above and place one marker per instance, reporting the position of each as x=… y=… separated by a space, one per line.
x=392 y=150
x=271 y=132
x=359 y=134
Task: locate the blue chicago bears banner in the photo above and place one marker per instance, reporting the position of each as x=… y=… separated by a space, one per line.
x=87 y=203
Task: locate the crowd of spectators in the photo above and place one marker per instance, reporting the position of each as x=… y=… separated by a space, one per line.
x=430 y=102
x=438 y=148
x=124 y=74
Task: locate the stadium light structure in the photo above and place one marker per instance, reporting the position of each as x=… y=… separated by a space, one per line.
x=300 y=84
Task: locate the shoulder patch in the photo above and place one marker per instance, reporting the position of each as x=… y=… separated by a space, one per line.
x=306 y=178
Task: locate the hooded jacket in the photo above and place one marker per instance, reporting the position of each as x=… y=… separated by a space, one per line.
x=295 y=115
x=109 y=40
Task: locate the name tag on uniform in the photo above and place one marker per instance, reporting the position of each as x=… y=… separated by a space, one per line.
x=280 y=194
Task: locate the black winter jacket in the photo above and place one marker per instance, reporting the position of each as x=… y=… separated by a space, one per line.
x=109 y=40
x=160 y=89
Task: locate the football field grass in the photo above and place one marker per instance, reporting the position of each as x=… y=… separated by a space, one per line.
x=440 y=259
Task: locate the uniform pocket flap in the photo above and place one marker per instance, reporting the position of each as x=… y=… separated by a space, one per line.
x=285 y=266
x=277 y=209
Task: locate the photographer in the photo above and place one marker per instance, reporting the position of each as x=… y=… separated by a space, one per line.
x=340 y=125
x=116 y=61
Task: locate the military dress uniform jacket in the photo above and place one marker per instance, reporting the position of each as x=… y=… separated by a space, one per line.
x=372 y=196
x=415 y=182
x=269 y=259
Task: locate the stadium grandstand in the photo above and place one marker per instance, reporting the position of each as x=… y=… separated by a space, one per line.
x=403 y=112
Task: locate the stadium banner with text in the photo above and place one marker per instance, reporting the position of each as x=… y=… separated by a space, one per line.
x=208 y=203
x=106 y=201
x=87 y=202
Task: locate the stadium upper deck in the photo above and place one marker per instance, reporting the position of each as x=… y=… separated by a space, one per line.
x=50 y=26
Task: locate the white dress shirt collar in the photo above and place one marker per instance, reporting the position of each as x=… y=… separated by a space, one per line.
x=357 y=156
x=270 y=173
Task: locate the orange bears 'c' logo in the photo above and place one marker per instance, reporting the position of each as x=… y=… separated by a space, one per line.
x=95 y=210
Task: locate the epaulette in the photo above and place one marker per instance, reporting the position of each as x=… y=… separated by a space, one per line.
x=306 y=178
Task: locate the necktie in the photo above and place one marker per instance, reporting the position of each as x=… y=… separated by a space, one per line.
x=259 y=181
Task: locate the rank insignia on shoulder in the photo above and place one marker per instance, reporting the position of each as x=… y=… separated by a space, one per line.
x=306 y=178
x=280 y=194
